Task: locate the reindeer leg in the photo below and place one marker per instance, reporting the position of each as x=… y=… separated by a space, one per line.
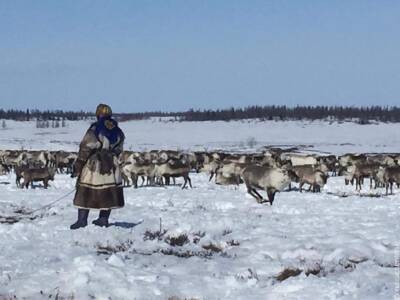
x=237 y=180
x=184 y=184
x=251 y=191
x=190 y=182
x=259 y=196
x=271 y=196
x=391 y=187
x=135 y=180
x=211 y=176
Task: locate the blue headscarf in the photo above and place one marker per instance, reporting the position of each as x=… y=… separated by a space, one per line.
x=108 y=127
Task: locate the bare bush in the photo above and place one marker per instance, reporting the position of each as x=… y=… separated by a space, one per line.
x=179 y=240
x=154 y=235
x=287 y=273
x=212 y=247
x=111 y=249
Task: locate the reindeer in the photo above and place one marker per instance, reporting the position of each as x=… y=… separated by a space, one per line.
x=64 y=161
x=389 y=175
x=211 y=168
x=299 y=160
x=269 y=179
x=230 y=171
x=173 y=168
x=351 y=159
x=311 y=175
x=19 y=170
x=38 y=174
x=330 y=162
x=4 y=169
x=361 y=171
x=383 y=160
x=9 y=158
x=136 y=168
x=35 y=158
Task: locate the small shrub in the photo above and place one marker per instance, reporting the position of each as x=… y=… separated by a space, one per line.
x=179 y=240
x=251 y=142
x=233 y=243
x=248 y=275
x=287 y=273
x=185 y=254
x=226 y=231
x=111 y=249
x=197 y=236
x=152 y=235
x=212 y=247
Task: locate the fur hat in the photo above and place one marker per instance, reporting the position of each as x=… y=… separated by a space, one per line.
x=104 y=110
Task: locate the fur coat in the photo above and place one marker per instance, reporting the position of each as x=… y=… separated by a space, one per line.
x=99 y=184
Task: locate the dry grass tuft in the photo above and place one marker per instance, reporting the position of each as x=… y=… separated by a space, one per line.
x=287 y=273
x=212 y=247
x=179 y=240
x=111 y=249
x=154 y=235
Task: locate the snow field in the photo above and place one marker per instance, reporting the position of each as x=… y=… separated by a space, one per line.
x=339 y=243
x=245 y=135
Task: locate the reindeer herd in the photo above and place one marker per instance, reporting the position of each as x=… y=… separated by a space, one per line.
x=270 y=171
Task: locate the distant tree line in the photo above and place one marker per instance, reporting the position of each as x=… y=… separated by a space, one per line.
x=273 y=112
x=49 y=115
x=45 y=115
x=142 y=116
x=363 y=115
x=46 y=123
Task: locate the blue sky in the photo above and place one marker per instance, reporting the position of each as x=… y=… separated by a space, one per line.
x=176 y=55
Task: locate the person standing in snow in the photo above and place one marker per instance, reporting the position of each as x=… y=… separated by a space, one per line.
x=99 y=182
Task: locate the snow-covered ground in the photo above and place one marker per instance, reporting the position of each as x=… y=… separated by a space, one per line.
x=215 y=242
x=319 y=136
x=349 y=243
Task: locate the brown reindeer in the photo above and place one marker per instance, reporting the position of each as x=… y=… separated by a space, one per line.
x=312 y=176
x=173 y=168
x=38 y=174
x=266 y=178
x=389 y=175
